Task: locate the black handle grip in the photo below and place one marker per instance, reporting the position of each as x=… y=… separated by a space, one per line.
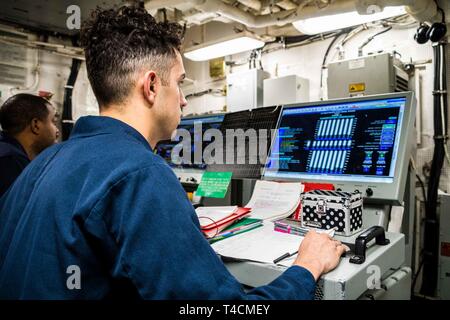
x=361 y=241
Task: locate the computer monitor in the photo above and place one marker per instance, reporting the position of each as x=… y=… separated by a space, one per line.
x=359 y=143
x=164 y=148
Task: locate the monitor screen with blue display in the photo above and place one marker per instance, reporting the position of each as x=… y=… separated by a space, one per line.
x=164 y=148
x=356 y=140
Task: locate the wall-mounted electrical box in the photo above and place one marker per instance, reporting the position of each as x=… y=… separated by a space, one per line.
x=285 y=90
x=373 y=74
x=245 y=90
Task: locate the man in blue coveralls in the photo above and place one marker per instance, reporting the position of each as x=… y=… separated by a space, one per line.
x=28 y=127
x=103 y=207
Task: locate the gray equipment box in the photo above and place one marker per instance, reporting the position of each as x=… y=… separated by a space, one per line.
x=285 y=90
x=444 y=248
x=324 y=209
x=374 y=74
x=245 y=90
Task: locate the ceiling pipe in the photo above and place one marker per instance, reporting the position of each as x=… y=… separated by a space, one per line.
x=287 y=5
x=424 y=10
x=421 y=10
x=250 y=20
x=158 y=4
x=213 y=6
x=252 y=4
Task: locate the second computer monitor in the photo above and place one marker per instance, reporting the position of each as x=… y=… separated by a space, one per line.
x=165 y=148
x=355 y=143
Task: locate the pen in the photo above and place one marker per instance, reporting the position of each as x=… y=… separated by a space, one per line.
x=284 y=256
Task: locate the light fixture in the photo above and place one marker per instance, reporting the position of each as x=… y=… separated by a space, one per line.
x=343 y=20
x=240 y=42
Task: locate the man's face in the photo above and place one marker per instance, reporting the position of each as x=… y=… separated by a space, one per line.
x=170 y=100
x=48 y=133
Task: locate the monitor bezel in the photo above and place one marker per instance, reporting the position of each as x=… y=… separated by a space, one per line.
x=382 y=191
x=191 y=117
x=202 y=116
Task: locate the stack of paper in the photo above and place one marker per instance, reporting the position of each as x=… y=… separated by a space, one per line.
x=215 y=219
x=274 y=200
x=261 y=245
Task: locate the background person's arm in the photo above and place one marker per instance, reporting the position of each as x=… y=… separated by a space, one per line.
x=10 y=169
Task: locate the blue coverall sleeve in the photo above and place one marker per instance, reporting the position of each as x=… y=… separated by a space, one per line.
x=161 y=249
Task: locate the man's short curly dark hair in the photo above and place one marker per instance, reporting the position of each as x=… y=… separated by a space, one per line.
x=19 y=110
x=120 y=42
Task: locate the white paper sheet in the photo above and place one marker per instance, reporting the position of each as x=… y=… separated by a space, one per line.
x=273 y=200
x=262 y=244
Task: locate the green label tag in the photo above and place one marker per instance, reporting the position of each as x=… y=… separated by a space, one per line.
x=214 y=184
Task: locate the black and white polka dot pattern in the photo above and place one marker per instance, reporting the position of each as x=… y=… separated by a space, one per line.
x=334 y=196
x=356 y=219
x=332 y=218
x=345 y=215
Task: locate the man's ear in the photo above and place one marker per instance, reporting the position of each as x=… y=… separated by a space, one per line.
x=35 y=126
x=150 y=86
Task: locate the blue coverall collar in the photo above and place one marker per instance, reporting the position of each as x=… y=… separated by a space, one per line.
x=97 y=125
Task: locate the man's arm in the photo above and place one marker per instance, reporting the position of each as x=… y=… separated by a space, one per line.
x=162 y=250
x=318 y=254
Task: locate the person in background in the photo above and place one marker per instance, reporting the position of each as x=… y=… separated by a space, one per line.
x=28 y=125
